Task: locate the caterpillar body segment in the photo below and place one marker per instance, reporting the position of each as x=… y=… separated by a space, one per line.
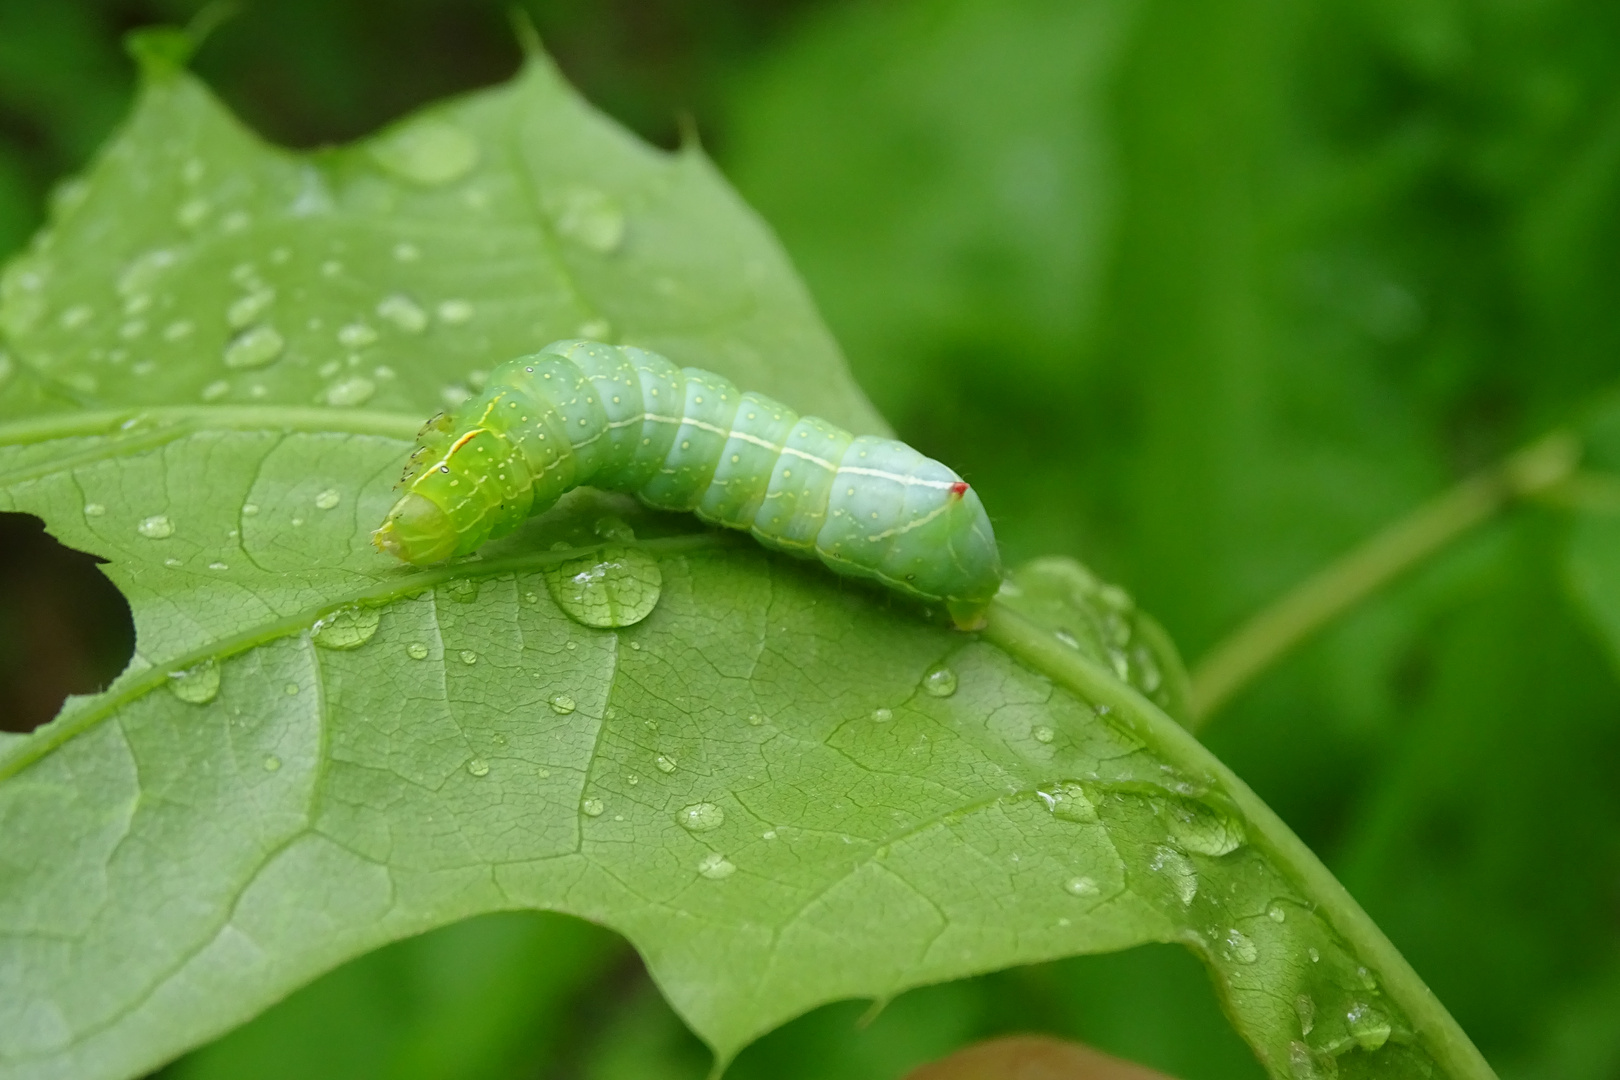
x=624 y=419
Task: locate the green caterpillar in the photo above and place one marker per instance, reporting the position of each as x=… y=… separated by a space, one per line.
x=625 y=419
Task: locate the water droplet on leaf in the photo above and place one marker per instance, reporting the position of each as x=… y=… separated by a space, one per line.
x=1177 y=870
x=455 y=312
x=882 y=716
x=1240 y=947
x=940 y=682
x=462 y=590
x=589 y=217
x=616 y=586
x=665 y=764
x=592 y=807
x=254 y=347
x=403 y=312
x=478 y=767
x=156 y=527
x=350 y=392
x=1369 y=1027
x=716 y=867
x=701 y=817
x=196 y=685
x=94 y=509
x=1043 y=734
x=416 y=651
x=429 y=152
x=562 y=704
x=1080 y=886
x=272 y=763
x=468 y=656
x=347 y=627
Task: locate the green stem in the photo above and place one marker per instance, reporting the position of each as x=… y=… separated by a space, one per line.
x=1042 y=652
x=1319 y=599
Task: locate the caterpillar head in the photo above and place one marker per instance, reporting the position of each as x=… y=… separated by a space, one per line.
x=417 y=531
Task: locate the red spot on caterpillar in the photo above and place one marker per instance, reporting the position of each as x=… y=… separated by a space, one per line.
x=959 y=489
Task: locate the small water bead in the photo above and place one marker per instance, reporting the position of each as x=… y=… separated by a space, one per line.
x=346 y=628
x=632 y=779
x=156 y=527
x=1240 y=947
x=249 y=509
x=94 y=509
x=193 y=213
x=1367 y=980
x=1369 y=1027
x=403 y=312
x=571 y=645
x=218 y=566
x=272 y=763
x=595 y=329
x=592 y=807
x=756 y=719
x=614 y=587
x=940 y=682
x=613 y=527
x=455 y=312
x=664 y=763
x=589 y=217
x=1043 y=734
x=171 y=562
x=636 y=645
x=462 y=590
x=562 y=704
x=1070 y=802
x=468 y=657
x=406 y=252
x=1177 y=870
x=254 y=347
x=478 y=766
x=178 y=330
x=701 y=817
x=416 y=651
x=543 y=773
x=715 y=866
x=1276 y=913
x=327 y=499
x=430 y=152
x=1315 y=956
x=196 y=685
x=215 y=390
x=356 y=335
x=882 y=715
x=1302 y=1062
x=76 y=316
x=1081 y=886
x=349 y=392
x=247 y=309
x=291 y=689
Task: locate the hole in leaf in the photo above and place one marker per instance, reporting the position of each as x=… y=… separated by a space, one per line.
x=64 y=628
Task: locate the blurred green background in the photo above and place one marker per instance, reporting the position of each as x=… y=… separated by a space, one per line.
x=1199 y=293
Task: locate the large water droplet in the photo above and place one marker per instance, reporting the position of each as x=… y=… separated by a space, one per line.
x=592 y=807
x=562 y=704
x=616 y=586
x=403 y=312
x=347 y=627
x=1199 y=827
x=327 y=499
x=589 y=217
x=664 y=763
x=1241 y=947
x=196 y=685
x=1177 y=870
x=940 y=682
x=1305 y=1009
x=156 y=527
x=430 y=152
x=1081 y=886
x=1369 y=1027
x=254 y=347
x=416 y=651
x=350 y=392
x=701 y=817
x=1069 y=802
x=715 y=866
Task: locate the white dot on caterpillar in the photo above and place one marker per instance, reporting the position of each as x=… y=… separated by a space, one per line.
x=738 y=457
x=698 y=399
x=615 y=399
x=786 y=473
x=444 y=468
x=686 y=444
x=851 y=491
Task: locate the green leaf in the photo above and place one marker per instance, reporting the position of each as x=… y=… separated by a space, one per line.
x=782 y=789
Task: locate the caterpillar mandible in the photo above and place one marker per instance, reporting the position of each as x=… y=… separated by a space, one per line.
x=625 y=419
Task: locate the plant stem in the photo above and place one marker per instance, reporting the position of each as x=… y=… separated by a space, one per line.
x=1446 y=1042
x=1234 y=662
